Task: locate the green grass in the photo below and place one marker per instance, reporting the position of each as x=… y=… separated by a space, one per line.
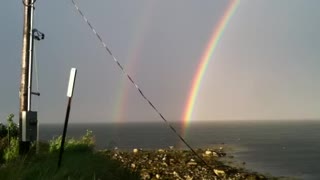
x=75 y=165
x=79 y=162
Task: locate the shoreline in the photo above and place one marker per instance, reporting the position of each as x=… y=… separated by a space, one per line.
x=183 y=164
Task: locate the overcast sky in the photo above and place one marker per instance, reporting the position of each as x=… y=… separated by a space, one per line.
x=266 y=66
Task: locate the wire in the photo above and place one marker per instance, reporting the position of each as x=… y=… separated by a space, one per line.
x=36 y=65
x=137 y=87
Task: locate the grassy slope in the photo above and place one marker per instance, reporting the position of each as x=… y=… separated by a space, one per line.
x=75 y=165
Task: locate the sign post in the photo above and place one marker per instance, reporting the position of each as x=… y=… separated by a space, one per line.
x=72 y=79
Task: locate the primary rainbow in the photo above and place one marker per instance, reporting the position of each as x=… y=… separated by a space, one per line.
x=205 y=59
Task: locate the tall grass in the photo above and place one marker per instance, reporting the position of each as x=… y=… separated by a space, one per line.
x=80 y=161
x=75 y=165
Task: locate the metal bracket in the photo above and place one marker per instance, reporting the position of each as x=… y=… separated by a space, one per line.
x=35 y=93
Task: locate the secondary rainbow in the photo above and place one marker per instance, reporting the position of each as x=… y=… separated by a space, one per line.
x=205 y=59
x=134 y=54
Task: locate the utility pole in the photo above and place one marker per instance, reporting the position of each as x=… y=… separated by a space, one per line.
x=24 y=143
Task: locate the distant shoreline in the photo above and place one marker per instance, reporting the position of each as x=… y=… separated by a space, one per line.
x=192 y=122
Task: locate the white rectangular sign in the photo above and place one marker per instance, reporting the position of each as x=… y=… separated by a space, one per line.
x=72 y=80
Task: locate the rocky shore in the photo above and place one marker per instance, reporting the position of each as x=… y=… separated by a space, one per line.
x=181 y=164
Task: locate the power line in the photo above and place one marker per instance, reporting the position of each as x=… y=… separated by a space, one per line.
x=136 y=86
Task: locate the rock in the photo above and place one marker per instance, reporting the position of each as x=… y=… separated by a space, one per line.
x=219 y=172
x=222 y=154
x=214 y=154
x=171 y=161
x=188 y=177
x=133 y=165
x=192 y=163
x=135 y=150
x=175 y=174
x=252 y=177
x=161 y=151
x=145 y=175
x=208 y=153
x=165 y=164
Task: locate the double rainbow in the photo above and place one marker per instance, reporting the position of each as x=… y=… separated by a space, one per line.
x=204 y=61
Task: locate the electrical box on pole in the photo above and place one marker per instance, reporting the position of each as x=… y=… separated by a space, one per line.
x=29 y=126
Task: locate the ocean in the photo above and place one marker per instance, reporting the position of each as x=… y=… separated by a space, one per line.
x=279 y=148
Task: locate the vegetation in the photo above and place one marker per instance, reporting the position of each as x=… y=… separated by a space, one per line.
x=75 y=165
x=8 y=140
x=80 y=161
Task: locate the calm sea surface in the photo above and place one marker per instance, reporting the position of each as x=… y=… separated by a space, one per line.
x=284 y=148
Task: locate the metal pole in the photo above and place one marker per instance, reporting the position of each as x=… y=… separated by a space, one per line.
x=73 y=74
x=23 y=93
x=64 y=131
x=30 y=66
x=38 y=138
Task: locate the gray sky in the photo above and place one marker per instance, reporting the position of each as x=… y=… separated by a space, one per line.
x=265 y=67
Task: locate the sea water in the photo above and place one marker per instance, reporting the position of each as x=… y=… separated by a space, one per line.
x=279 y=148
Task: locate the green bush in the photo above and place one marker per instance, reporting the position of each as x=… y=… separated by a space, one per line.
x=3 y=131
x=8 y=140
x=12 y=151
x=85 y=143
x=12 y=128
x=3 y=145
